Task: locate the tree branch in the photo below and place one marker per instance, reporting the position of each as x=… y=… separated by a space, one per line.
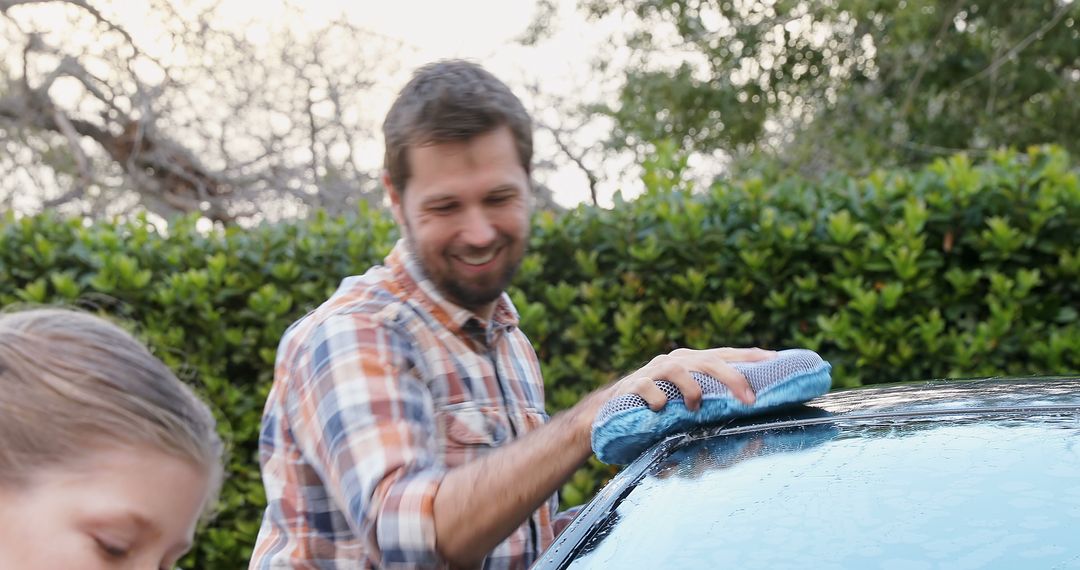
x=81 y=161
x=575 y=158
x=913 y=87
x=1019 y=47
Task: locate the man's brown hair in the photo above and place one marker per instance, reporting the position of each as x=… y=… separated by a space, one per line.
x=448 y=101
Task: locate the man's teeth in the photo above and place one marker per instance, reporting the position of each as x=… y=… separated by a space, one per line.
x=478 y=259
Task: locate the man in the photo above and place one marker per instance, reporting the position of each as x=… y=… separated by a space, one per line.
x=406 y=425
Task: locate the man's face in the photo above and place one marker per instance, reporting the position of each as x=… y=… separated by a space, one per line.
x=465 y=215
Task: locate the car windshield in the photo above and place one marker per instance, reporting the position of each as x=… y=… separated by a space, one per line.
x=961 y=491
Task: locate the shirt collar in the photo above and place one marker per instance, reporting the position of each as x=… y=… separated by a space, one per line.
x=414 y=283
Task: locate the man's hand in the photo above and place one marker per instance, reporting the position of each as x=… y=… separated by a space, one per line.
x=676 y=367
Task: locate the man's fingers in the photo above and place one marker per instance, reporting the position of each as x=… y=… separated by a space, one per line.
x=676 y=368
x=653 y=395
x=682 y=379
x=729 y=376
x=742 y=354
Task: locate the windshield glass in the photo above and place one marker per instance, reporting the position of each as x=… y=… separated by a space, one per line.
x=929 y=492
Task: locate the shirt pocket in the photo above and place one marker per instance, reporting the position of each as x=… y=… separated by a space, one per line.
x=472 y=425
x=527 y=419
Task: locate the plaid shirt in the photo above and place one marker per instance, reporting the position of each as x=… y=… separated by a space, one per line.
x=377 y=393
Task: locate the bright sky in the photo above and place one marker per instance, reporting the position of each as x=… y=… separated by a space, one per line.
x=484 y=31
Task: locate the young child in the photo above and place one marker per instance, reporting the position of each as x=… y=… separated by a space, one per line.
x=106 y=459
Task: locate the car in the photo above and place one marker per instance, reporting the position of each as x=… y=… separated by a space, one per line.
x=941 y=474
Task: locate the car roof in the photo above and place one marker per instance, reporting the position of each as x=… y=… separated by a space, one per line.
x=921 y=398
x=944 y=402
x=954 y=395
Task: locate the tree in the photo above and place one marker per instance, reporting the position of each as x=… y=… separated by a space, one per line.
x=845 y=84
x=103 y=111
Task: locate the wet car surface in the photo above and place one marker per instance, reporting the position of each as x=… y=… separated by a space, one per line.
x=962 y=474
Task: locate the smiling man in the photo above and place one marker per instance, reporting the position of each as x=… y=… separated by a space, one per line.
x=406 y=424
x=466 y=216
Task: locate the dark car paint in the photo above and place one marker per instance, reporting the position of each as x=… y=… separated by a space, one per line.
x=936 y=400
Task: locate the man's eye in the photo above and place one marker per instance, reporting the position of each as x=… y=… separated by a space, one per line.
x=444 y=208
x=111 y=550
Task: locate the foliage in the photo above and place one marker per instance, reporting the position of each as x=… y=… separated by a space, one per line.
x=213 y=307
x=953 y=270
x=845 y=84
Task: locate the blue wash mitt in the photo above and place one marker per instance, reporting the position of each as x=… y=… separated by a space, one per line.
x=626 y=426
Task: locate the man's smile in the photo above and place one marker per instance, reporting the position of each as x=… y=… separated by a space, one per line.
x=478 y=261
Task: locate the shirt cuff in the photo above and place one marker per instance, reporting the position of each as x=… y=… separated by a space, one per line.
x=405 y=531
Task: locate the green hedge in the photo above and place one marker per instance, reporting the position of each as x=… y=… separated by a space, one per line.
x=954 y=270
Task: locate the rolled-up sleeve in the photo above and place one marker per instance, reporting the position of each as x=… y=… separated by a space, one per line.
x=366 y=423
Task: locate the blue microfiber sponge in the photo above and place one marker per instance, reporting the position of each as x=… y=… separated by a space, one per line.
x=626 y=426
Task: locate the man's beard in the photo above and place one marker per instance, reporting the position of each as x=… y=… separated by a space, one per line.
x=473 y=298
x=467 y=295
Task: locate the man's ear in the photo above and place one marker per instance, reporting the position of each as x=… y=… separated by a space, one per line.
x=396 y=200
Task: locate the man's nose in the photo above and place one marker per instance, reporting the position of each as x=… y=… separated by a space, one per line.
x=478 y=230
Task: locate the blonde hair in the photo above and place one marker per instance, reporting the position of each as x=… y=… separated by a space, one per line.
x=71 y=383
